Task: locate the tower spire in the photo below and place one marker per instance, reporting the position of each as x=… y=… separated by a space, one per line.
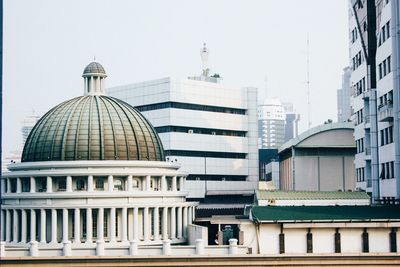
x=204 y=52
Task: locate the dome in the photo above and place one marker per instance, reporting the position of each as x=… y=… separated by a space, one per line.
x=93 y=127
x=94 y=68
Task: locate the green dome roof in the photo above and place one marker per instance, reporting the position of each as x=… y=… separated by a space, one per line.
x=93 y=127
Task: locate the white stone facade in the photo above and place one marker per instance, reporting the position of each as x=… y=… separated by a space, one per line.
x=86 y=202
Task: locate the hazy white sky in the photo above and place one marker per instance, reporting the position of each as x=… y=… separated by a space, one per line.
x=47 y=44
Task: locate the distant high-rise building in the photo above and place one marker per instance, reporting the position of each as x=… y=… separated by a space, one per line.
x=343 y=97
x=374 y=57
x=271 y=124
x=27 y=124
x=291 y=121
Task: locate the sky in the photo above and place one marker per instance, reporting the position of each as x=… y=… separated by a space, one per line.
x=48 y=43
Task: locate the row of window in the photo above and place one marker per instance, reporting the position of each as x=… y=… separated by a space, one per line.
x=359 y=116
x=179 y=105
x=360 y=174
x=359 y=87
x=387 y=170
x=386 y=99
x=205 y=154
x=384 y=33
x=386 y=135
x=357 y=60
x=215 y=177
x=337 y=241
x=385 y=67
x=180 y=129
x=80 y=184
x=360 y=145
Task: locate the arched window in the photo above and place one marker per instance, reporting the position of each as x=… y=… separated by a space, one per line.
x=118 y=184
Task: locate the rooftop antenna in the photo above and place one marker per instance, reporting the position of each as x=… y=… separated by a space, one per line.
x=266 y=86
x=204 y=52
x=308 y=83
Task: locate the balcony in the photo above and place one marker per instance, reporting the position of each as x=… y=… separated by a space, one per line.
x=385 y=111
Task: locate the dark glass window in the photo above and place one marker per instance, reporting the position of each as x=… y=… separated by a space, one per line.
x=205 y=154
x=179 y=105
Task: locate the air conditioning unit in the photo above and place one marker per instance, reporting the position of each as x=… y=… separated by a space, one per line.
x=190 y=131
x=213 y=133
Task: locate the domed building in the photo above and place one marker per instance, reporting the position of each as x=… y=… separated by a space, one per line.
x=93 y=171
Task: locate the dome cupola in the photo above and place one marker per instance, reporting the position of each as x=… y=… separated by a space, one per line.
x=93 y=127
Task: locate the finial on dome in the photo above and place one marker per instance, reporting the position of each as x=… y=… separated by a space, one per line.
x=94 y=75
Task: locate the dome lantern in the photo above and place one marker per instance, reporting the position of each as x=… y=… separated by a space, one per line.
x=94 y=76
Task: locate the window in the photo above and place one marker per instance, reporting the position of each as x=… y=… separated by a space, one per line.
x=118 y=184
x=99 y=184
x=365 y=241
x=62 y=184
x=80 y=184
x=135 y=183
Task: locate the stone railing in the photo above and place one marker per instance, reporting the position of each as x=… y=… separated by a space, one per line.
x=34 y=249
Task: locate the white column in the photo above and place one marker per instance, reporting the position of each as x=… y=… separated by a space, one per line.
x=164 y=226
x=181 y=183
x=190 y=215
x=19 y=185
x=3 y=185
x=135 y=223
x=193 y=213
x=146 y=234
x=24 y=226
x=148 y=183
x=130 y=183
x=179 y=222
x=112 y=225
x=32 y=185
x=110 y=183
x=156 y=223
x=65 y=225
x=8 y=185
x=100 y=224
x=15 y=226
x=124 y=224
x=33 y=225
x=163 y=183
x=173 y=183
x=77 y=226
x=185 y=221
x=89 y=225
x=8 y=226
x=69 y=184
x=49 y=186
x=173 y=223
x=90 y=183
x=2 y=226
x=53 y=226
x=42 y=226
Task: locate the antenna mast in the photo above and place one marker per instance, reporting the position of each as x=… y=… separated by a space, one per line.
x=308 y=83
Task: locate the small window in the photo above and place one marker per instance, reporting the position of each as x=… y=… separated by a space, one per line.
x=62 y=184
x=118 y=184
x=135 y=183
x=99 y=184
x=80 y=184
